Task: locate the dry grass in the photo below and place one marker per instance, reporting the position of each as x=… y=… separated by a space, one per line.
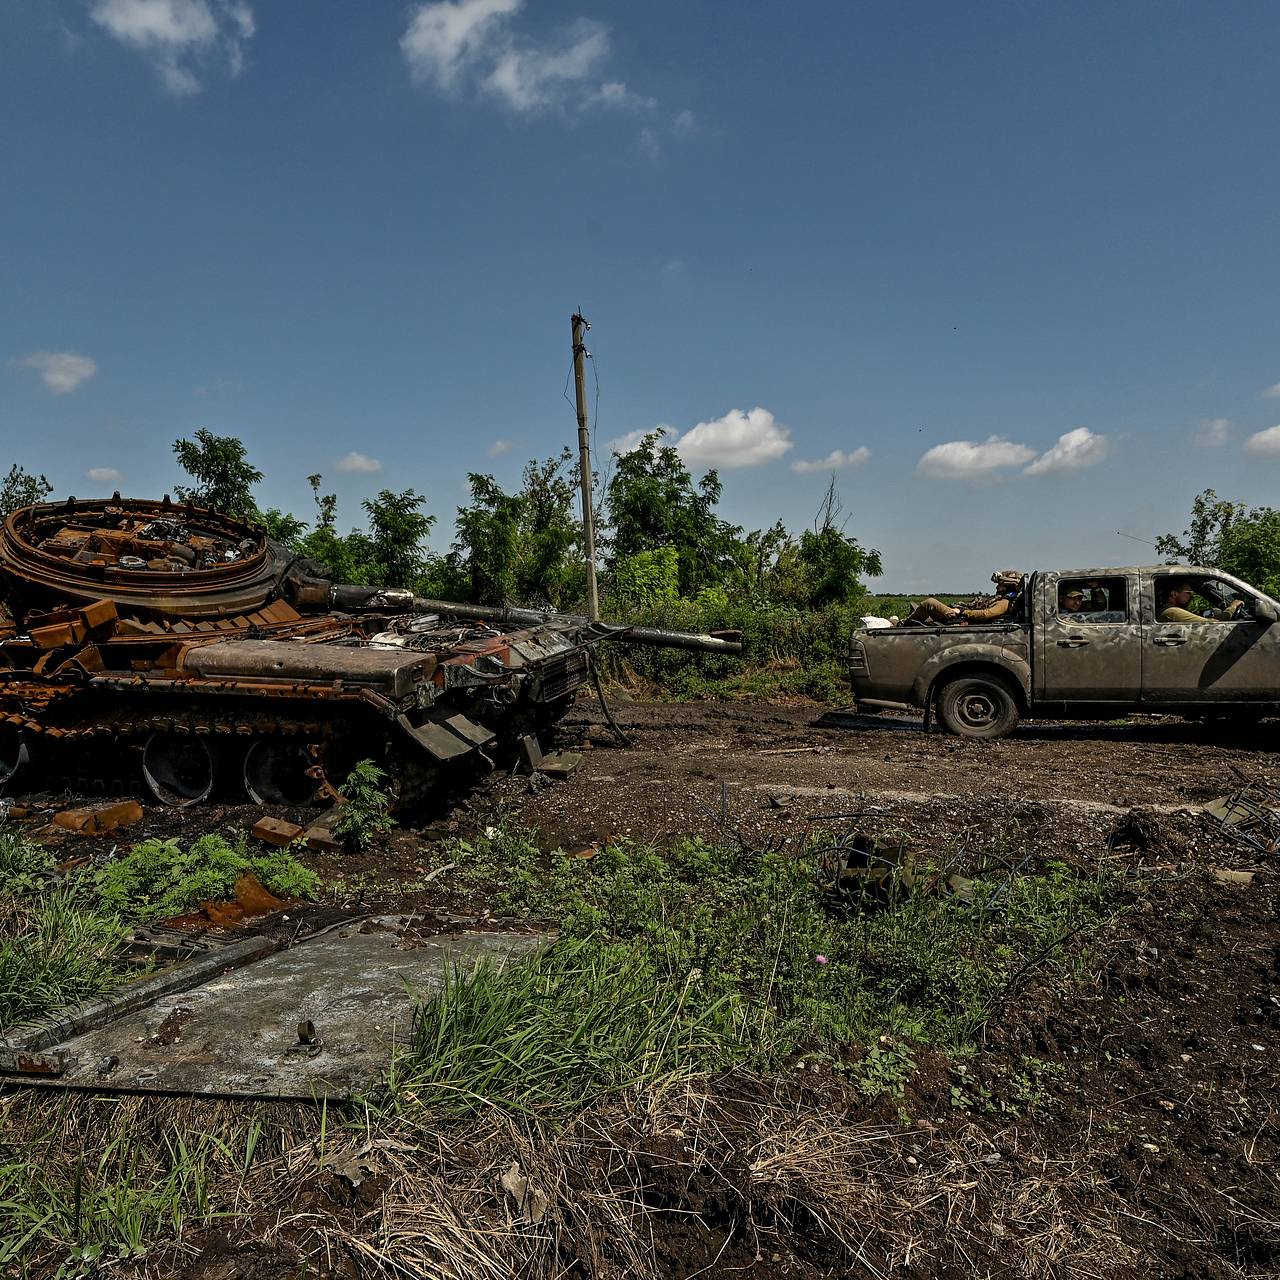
x=743 y=1169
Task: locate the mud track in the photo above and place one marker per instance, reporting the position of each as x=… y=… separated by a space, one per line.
x=769 y=766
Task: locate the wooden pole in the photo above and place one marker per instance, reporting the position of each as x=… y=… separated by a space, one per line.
x=579 y=329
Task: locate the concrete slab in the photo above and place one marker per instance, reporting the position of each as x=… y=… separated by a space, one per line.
x=243 y=1034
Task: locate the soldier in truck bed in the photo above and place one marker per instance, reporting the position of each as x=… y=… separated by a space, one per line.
x=1005 y=604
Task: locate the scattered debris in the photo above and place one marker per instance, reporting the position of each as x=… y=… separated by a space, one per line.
x=1251 y=815
x=275 y=831
x=322 y=840
x=1227 y=876
x=360 y=983
x=530 y=1202
x=560 y=764
x=99 y=819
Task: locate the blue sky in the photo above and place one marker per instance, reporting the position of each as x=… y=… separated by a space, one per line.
x=1011 y=269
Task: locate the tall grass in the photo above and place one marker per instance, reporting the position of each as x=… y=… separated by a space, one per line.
x=684 y=961
x=54 y=951
x=55 y=948
x=559 y=1029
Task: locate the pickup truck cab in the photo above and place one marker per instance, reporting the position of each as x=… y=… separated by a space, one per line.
x=1110 y=656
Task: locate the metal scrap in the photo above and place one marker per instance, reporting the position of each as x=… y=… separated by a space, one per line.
x=1250 y=815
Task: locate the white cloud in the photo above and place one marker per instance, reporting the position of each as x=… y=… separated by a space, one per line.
x=836 y=460
x=739 y=439
x=450 y=44
x=1271 y=393
x=1073 y=450
x=457 y=46
x=615 y=94
x=683 y=124
x=529 y=78
x=218 y=387
x=181 y=38
x=104 y=475
x=62 y=371
x=625 y=443
x=500 y=447
x=649 y=144
x=359 y=464
x=445 y=39
x=1266 y=444
x=960 y=459
x=1212 y=432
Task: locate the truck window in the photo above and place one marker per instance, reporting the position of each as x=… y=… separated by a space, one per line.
x=1093 y=601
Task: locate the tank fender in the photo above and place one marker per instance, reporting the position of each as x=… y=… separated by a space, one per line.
x=973 y=657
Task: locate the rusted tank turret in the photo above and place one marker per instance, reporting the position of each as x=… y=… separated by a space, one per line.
x=180 y=642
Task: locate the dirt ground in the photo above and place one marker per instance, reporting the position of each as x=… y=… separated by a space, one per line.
x=1153 y=1150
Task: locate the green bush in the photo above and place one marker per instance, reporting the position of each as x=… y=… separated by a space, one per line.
x=796 y=652
x=156 y=879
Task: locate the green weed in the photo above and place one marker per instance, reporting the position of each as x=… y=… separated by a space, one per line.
x=366 y=815
x=157 y=879
x=764 y=970
x=107 y=1210
x=24 y=865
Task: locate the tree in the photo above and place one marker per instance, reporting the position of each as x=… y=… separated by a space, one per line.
x=324 y=543
x=551 y=567
x=1201 y=541
x=1250 y=549
x=283 y=527
x=392 y=553
x=224 y=477
x=1232 y=537
x=523 y=547
x=21 y=489
x=825 y=566
x=487 y=541
x=653 y=502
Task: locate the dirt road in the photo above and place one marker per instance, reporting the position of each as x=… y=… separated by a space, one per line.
x=689 y=763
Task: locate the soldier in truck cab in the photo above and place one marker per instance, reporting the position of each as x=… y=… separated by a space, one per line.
x=1177 y=598
x=1070 y=600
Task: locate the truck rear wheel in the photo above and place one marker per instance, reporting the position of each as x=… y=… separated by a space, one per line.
x=977 y=707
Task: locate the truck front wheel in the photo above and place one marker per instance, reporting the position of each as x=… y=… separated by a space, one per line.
x=977 y=707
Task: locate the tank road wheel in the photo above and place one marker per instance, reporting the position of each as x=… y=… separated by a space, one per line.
x=13 y=752
x=978 y=707
x=276 y=773
x=178 y=768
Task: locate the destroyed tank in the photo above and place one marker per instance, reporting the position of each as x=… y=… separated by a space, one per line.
x=175 y=642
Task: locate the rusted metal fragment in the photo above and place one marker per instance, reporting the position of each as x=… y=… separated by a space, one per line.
x=394 y=673
x=98 y=819
x=276 y=831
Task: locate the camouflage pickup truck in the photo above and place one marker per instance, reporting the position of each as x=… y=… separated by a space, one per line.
x=1088 y=644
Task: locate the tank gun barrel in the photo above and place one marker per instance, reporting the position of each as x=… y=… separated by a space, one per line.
x=722 y=642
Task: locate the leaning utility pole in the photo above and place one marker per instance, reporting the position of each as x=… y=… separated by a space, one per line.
x=580 y=327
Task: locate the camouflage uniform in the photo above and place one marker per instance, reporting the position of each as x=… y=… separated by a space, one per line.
x=1004 y=604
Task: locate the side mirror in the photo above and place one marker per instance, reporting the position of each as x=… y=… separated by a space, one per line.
x=1265 y=611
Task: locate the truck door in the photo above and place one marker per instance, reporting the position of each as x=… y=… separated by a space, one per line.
x=1091 y=637
x=1207 y=660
